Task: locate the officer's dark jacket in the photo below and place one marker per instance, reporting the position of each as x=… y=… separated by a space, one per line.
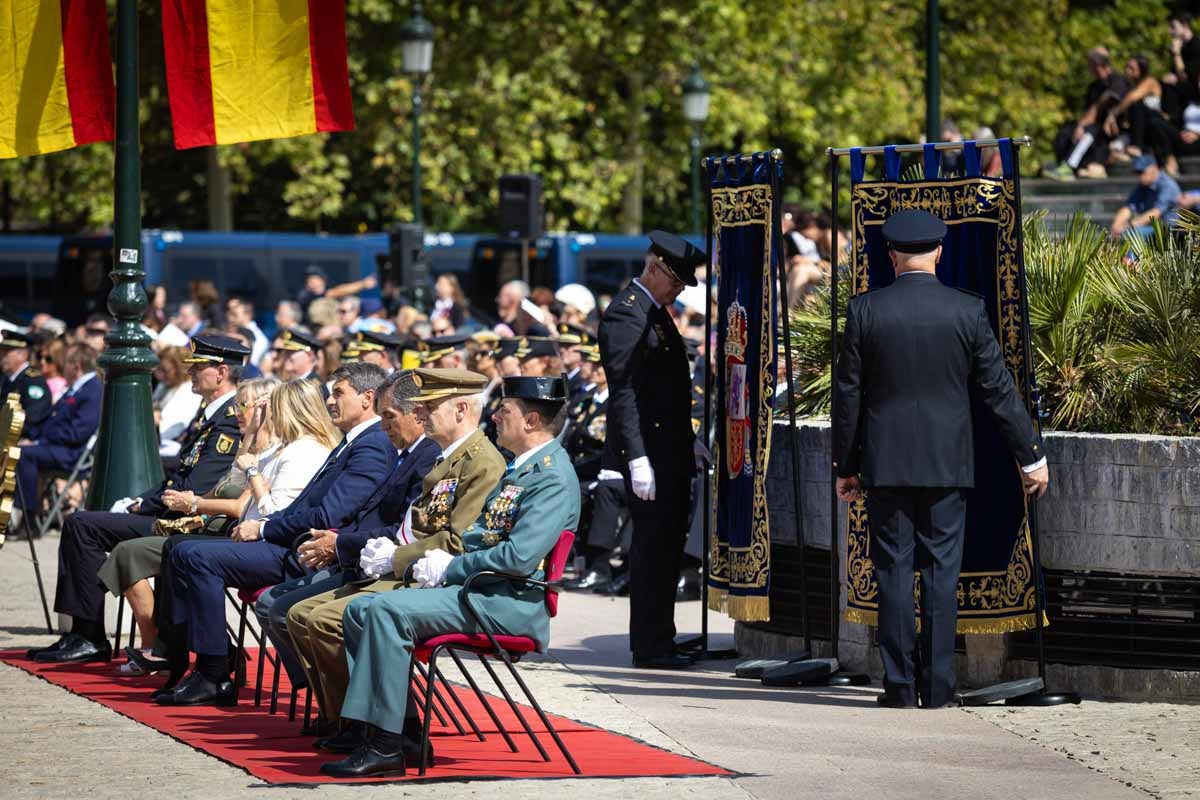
x=35 y=399
x=205 y=456
x=73 y=420
x=649 y=384
x=387 y=504
x=912 y=355
x=587 y=432
x=338 y=490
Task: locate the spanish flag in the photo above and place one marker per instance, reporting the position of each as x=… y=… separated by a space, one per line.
x=242 y=70
x=56 y=79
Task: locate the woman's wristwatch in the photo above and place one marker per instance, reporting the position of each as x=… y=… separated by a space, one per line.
x=251 y=472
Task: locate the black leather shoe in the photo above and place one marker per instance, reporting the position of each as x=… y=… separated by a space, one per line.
x=197 y=690
x=886 y=700
x=365 y=762
x=592 y=580
x=63 y=641
x=353 y=737
x=617 y=587
x=77 y=651
x=144 y=661
x=688 y=588
x=667 y=661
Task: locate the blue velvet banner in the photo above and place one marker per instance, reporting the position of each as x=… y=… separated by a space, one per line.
x=981 y=253
x=746 y=242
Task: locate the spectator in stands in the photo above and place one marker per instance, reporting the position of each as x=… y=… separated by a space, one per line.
x=1082 y=147
x=156 y=305
x=96 y=331
x=1130 y=119
x=240 y=312
x=951 y=159
x=348 y=314
x=508 y=302
x=175 y=404
x=316 y=285
x=50 y=357
x=208 y=300
x=1179 y=84
x=1155 y=197
x=449 y=302
x=288 y=314
x=991 y=165
x=189 y=318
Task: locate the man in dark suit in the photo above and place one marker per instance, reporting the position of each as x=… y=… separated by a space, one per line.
x=650 y=438
x=19 y=376
x=87 y=536
x=73 y=420
x=911 y=354
x=334 y=553
x=197 y=570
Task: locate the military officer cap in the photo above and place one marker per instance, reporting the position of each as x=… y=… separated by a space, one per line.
x=569 y=334
x=508 y=347
x=678 y=255
x=536 y=347
x=297 y=339
x=439 y=346
x=366 y=340
x=913 y=231
x=434 y=384
x=546 y=388
x=11 y=340
x=217 y=350
x=590 y=352
x=350 y=354
x=485 y=343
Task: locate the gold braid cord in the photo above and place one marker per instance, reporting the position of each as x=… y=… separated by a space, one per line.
x=12 y=421
x=988 y=602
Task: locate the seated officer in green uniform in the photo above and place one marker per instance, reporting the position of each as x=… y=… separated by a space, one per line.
x=535 y=501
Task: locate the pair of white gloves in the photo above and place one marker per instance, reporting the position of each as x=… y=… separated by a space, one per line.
x=641 y=474
x=429 y=571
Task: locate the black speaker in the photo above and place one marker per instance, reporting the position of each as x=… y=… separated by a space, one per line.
x=521 y=206
x=409 y=268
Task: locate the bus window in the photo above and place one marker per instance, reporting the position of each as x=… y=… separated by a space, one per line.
x=606 y=275
x=180 y=269
x=242 y=277
x=81 y=283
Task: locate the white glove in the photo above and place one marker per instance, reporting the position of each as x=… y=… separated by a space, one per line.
x=641 y=475
x=376 y=557
x=702 y=454
x=122 y=505
x=430 y=570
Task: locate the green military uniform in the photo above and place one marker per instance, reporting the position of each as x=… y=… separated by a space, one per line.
x=521 y=521
x=451 y=496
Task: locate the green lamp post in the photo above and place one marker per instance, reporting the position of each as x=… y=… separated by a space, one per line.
x=126 y=460
x=416 y=43
x=695 y=111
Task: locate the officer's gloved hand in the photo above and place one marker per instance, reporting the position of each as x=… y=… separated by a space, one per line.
x=641 y=475
x=430 y=570
x=376 y=558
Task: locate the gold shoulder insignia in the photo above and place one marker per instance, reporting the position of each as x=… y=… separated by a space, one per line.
x=548 y=461
x=33 y=372
x=231 y=411
x=629 y=300
x=224 y=444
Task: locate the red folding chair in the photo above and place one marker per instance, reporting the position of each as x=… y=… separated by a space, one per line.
x=506 y=649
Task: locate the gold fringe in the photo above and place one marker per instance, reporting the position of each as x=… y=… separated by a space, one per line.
x=716 y=599
x=738 y=607
x=1023 y=622
x=860 y=616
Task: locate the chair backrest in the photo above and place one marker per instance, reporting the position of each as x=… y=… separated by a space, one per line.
x=556 y=563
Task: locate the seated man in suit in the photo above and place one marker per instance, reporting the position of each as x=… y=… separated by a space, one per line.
x=334 y=553
x=73 y=420
x=535 y=501
x=197 y=570
x=87 y=536
x=451 y=495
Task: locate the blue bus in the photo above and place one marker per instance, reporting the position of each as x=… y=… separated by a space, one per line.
x=27 y=267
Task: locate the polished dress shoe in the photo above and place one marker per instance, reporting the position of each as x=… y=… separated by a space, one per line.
x=665 y=661
x=76 y=651
x=365 y=762
x=617 y=587
x=197 y=690
x=63 y=641
x=688 y=587
x=888 y=700
x=592 y=579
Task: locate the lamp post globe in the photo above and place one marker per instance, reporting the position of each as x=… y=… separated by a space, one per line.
x=416 y=43
x=695 y=111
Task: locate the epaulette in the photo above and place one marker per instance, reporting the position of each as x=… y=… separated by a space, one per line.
x=231 y=411
x=629 y=299
x=968 y=291
x=33 y=372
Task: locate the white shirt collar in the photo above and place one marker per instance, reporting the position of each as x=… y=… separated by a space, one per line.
x=20 y=369
x=81 y=380
x=638 y=284
x=414 y=445
x=528 y=454
x=210 y=410
x=601 y=395
x=573 y=373
x=454 y=446
x=353 y=433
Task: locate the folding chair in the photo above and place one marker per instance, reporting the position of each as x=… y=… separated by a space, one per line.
x=506 y=649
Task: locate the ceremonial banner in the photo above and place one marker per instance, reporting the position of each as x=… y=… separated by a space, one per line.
x=56 y=76
x=746 y=236
x=241 y=70
x=981 y=253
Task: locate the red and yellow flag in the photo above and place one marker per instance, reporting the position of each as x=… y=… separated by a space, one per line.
x=241 y=70
x=56 y=80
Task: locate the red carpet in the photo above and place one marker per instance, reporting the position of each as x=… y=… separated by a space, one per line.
x=270 y=748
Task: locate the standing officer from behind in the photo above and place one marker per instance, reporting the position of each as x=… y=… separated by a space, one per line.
x=650 y=438
x=912 y=353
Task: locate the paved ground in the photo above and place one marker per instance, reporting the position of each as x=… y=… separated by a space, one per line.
x=783 y=743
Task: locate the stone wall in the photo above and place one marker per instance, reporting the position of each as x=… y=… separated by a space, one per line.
x=1121 y=503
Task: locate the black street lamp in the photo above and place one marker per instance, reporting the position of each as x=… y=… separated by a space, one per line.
x=417 y=47
x=695 y=111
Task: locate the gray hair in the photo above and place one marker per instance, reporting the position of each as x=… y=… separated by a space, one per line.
x=399 y=389
x=362 y=377
x=292 y=309
x=520 y=286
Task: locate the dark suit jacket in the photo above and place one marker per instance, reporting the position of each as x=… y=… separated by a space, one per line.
x=73 y=420
x=206 y=455
x=339 y=489
x=911 y=355
x=649 y=385
x=31 y=387
x=386 y=507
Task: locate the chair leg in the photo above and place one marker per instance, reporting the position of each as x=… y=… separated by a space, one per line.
x=132 y=629
x=27 y=521
x=120 y=617
x=258 y=678
x=432 y=676
x=307 y=706
x=440 y=696
x=275 y=687
x=292 y=705
x=422 y=689
x=542 y=715
x=512 y=746
x=515 y=708
x=239 y=673
x=462 y=709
